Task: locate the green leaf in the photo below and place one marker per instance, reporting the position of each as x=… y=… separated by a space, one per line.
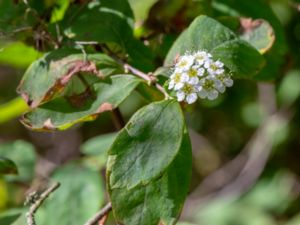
x=146 y=146
x=59 y=11
x=99 y=144
x=78 y=198
x=9 y=216
x=205 y=33
x=141 y=8
x=258 y=33
x=12 y=109
x=11 y=15
x=23 y=155
x=260 y=9
x=149 y=93
x=7 y=166
x=47 y=77
x=13 y=54
x=108 y=21
x=160 y=200
x=64 y=112
x=289 y=90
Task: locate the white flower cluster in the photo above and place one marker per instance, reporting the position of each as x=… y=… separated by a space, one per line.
x=198 y=75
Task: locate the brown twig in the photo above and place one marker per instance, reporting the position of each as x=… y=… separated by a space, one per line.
x=35 y=206
x=99 y=215
x=144 y=76
x=152 y=80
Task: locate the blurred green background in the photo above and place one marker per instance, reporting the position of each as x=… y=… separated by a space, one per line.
x=246 y=144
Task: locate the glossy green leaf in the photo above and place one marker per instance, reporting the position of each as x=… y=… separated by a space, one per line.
x=146 y=145
x=258 y=33
x=48 y=76
x=205 y=33
x=63 y=112
x=7 y=166
x=78 y=198
x=160 y=200
x=99 y=144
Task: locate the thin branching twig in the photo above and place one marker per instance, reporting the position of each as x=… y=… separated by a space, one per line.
x=144 y=76
x=152 y=80
x=99 y=215
x=37 y=203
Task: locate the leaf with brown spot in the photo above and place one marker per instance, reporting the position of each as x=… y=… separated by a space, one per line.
x=62 y=112
x=48 y=125
x=47 y=77
x=259 y=33
x=105 y=107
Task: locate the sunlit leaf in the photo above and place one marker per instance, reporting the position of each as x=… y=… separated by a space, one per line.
x=258 y=33
x=48 y=76
x=13 y=54
x=63 y=112
x=205 y=33
x=12 y=109
x=146 y=146
x=141 y=8
x=260 y=9
x=159 y=201
x=149 y=165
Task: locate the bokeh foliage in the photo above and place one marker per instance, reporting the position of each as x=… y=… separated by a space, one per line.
x=65 y=46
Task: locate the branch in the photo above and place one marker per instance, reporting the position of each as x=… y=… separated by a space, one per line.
x=150 y=78
x=36 y=205
x=99 y=215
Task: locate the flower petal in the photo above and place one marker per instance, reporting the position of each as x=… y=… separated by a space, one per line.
x=213 y=94
x=180 y=96
x=191 y=98
x=228 y=82
x=171 y=84
x=179 y=86
x=193 y=80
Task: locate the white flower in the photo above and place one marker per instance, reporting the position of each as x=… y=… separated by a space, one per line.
x=225 y=79
x=207 y=88
x=214 y=67
x=188 y=93
x=201 y=57
x=193 y=76
x=184 y=63
x=197 y=74
x=177 y=80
